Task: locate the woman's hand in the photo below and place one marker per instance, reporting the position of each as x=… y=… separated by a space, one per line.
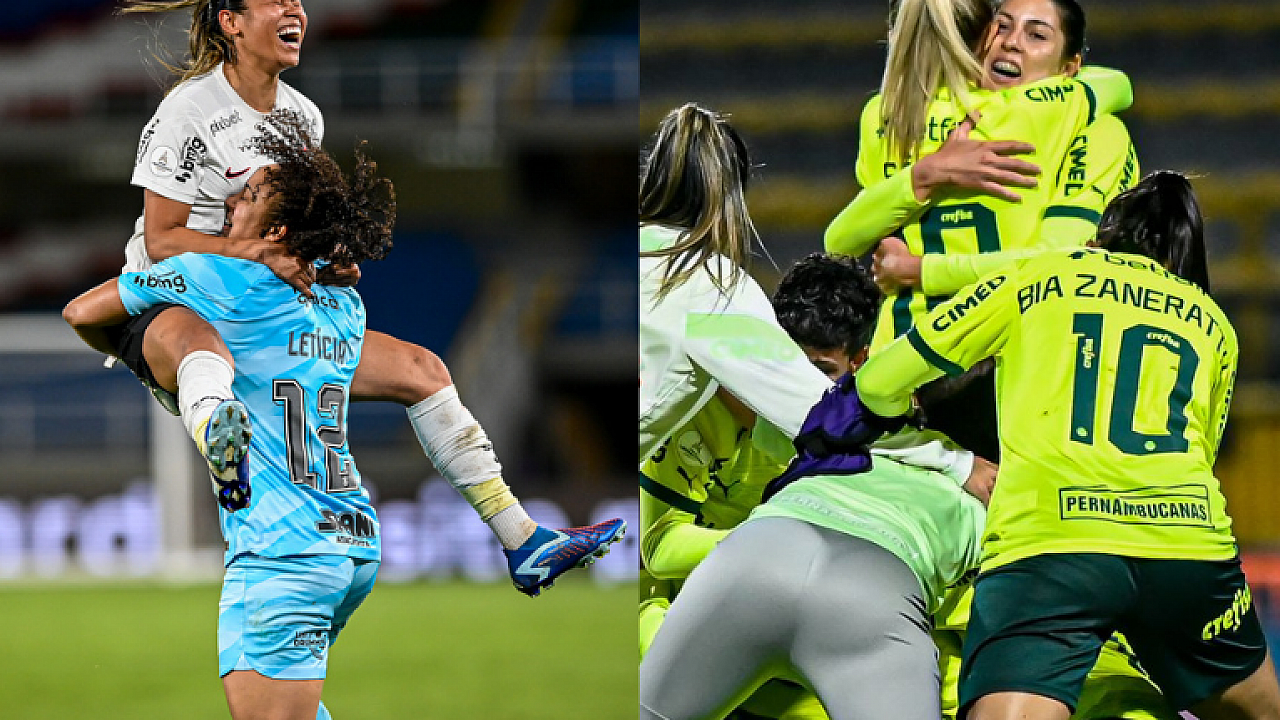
x=289 y=268
x=894 y=267
x=982 y=480
x=339 y=275
x=985 y=167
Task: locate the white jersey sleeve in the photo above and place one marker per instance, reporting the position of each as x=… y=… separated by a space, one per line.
x=172 y=153
x=699 y=339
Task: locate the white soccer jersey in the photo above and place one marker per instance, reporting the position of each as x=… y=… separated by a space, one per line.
x=194 y=150
x=697 y=339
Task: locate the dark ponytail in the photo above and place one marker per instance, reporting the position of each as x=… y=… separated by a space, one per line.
x=1159 y=218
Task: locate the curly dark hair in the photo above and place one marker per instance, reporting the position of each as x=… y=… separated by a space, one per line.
x=327 y=216
x=828 y=302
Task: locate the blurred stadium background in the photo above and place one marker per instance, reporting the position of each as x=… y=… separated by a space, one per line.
x=508 y=127
x=794 y=75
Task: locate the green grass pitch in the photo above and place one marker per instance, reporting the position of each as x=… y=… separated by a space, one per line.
x=447 y=651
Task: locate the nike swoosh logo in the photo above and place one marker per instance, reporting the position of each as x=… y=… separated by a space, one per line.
x=232 y=175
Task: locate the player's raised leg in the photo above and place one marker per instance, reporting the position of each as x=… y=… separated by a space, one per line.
x=188 y=358
x=401 y=372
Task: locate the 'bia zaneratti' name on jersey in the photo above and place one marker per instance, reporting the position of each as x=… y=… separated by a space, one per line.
x=1124 y=292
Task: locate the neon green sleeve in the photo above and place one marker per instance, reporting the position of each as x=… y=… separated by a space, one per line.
x=1223 y=386
x=671 y=544
x=947 y=274
x=956 y=334
x=877 y=211
x=1111 y=88
x=886 y=381
x=1101 y=164
x=883 y=205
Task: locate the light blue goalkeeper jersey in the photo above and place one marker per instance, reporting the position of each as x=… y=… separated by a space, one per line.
x=294 y=362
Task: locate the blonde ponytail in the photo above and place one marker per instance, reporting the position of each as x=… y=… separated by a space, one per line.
x=931 y=46
x=695 y=179
x=207 y=44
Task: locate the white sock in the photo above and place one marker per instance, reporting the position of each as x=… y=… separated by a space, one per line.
x=458 y=447
x=204 y=380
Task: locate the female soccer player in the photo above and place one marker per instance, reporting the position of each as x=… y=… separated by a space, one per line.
x=192 y=155
x=906 y=121
x=831 y=581
x=1027 y=42
x=706 y=327
x=705 y=323
x=303 y=555
x=1115 y=376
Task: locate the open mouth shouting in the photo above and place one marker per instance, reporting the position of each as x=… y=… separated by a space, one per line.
x=291 y=35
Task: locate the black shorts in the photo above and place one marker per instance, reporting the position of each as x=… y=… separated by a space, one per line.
x=1038 y=624
x=126 y=338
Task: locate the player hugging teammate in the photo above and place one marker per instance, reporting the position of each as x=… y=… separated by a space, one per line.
x=1108 y=582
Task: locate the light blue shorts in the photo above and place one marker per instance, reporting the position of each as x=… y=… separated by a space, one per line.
x=279 y=616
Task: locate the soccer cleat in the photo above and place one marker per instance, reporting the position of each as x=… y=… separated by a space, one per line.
x=548 y=554
x=225 y=446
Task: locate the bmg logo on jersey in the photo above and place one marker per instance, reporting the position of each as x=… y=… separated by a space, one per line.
x=165 y=281
x=193 y=151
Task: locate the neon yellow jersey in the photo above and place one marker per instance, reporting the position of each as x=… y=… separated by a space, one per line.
x=702 y=481
x=1113 y=382
x=1100 y=164
x=1050 y=114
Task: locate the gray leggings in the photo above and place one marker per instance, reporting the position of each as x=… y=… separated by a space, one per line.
x=781 y=597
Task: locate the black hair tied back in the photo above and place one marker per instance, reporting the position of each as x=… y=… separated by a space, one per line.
x=1159 y=218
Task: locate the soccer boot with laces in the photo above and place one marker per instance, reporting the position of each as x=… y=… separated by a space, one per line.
x=224 y=442
x=548 y=553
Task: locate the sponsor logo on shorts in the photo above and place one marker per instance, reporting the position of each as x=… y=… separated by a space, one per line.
x=314 y=640
x=164 y=161
x=1230 y=620
x=1176 y=505
x=167 y=281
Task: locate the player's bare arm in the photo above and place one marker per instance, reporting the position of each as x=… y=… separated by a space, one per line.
x=166 y=235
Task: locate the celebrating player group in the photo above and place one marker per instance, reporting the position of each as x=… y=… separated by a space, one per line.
x=976 y=481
